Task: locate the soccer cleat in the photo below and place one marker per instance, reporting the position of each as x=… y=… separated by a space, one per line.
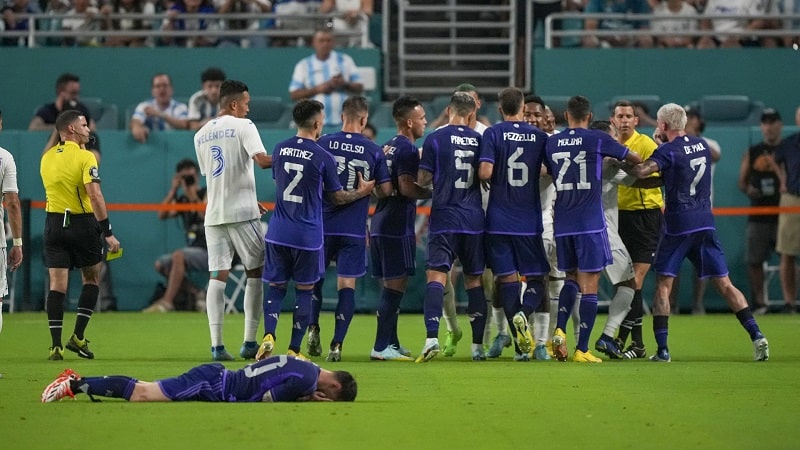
x=540 y=353
x=81 y=347
x=522 y=357
x=297 y=355
x=634 y=352
x=248 y=350
x=390 y=353
x=500 y=342
x=56 y=354
x=560 y=345
x=60 y=387
x=313 y=345
x=451 y=342
x=608 y=347
x=585 y=357
x=402 y=350
x=524 y=338
x=220 y=354
x=479 y=354
x=335 y=355
x=549 y=346
x=266 y=347
x=662 y=355
x=429 y=350
x=761 y=349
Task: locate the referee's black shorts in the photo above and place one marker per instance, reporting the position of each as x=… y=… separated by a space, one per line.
x=640 y=231
x=78 y=245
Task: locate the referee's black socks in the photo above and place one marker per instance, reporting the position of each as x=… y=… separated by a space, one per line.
x=86 y=304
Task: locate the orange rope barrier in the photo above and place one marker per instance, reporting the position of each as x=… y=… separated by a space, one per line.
x=424 y=210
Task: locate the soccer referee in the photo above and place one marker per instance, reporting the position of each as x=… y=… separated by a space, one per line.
x=76 y=217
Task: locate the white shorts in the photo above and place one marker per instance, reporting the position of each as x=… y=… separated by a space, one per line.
x=246 y=239
x=3 y=273
x=550 y=248
x=621 y=269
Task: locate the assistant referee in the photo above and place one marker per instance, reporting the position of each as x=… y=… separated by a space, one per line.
x=76 y=218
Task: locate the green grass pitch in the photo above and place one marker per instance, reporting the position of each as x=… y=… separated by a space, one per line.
x=712 y=396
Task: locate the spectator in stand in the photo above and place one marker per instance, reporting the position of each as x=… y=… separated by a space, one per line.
x=53 y=8
x=616 y=7
x=682 y=20
x=326 y=76
x=787 y=159
x=12 y=22
x=127 y=7
x=738 y=8
x=174 y=21
x=204 y=104
x=68 y=89
x=348 y=18
x=242 y=7
x=760 y=183
x=295 y=18
x=83 y=16
x=159 y=113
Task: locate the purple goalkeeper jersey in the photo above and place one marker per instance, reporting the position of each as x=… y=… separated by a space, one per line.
x=685 y=165
x=353 y=154
x=516 y=149
x=284 y=377
x=302 y=170
x=451 y=155
x=394 y=216
x=575 y=161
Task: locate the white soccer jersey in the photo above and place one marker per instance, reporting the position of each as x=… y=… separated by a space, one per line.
x=8 y=183
x=311 y=72
x=613 y=177
x=225 y=147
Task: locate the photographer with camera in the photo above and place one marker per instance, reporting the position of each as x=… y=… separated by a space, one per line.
x=180 y=292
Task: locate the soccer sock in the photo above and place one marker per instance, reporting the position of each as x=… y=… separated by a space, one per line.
x=618 y=309
x=749 y=323
x=566 y=301
x=387 y=305
x=344 y=314
x=630 y=319
x=316 y=302
x=576 y=315
x=215 y=309
x=541 y=326
x=449 y=306
x=554 y=291
x=509 y=293
x=394 y=340
x=253 y=304
x=588 y=313
x=432 y=308
x=115 y=386
x=476 y=309
x=660 y=328
x=532 y=296
x=272 y=308
x=55 y=315
x=499 y=319
x=300 y=318
x=86 y=304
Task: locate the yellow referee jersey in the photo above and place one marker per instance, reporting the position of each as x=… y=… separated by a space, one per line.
x=636 y=199
x=65 y=170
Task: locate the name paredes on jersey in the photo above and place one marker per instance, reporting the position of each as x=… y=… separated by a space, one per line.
x=694 y=148
x=295 y=152
x=568 y=142
x=519 y=137
x=464 y=140
x=227 y=133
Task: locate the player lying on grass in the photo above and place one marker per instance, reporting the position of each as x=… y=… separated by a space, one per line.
x=275 y=379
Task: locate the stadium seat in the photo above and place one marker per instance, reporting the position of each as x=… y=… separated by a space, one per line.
x=269 y=112
x=435 y=107
x=490 y=111
x=380 y=115
x=732 y=110
x=105 y=115
x=601 y=110
x=650 y=102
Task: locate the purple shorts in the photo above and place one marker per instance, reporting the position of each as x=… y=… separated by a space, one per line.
x=284 y=263
x=350 y=254
x=202 y=383
x=583 y=252
x=393 y=257
x=444 y=248
x=701 y=248
x=507 y=254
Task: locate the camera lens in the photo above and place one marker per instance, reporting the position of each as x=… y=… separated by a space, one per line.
x=188 y=179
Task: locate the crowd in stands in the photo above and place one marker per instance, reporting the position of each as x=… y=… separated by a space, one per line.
x=302 y=16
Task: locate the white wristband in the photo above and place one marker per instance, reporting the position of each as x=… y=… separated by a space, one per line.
x=17 y=242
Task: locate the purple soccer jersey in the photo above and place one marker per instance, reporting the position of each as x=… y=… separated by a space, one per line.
x=284 y=377
x=302 y=170
x=353 y=154
x=394 y=216
x=685 y=165
x=575 y=161
x=516 y=149
x=451 y=155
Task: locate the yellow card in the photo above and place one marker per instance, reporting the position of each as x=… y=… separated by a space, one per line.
x=114 y=255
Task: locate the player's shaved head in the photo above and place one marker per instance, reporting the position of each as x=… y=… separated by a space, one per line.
x=511 y=101
x=403 y=106
x=355 y=107
x=462 y=104
x=231 y=91
x=579 y=108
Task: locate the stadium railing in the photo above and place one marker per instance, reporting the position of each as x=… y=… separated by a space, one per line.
x=550 y=33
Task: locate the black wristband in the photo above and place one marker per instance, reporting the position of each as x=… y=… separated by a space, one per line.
x=105 y=228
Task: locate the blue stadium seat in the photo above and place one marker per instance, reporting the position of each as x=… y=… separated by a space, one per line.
x=650 y=102
x=105 y=115
x=269 y=112
x=731 y=110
